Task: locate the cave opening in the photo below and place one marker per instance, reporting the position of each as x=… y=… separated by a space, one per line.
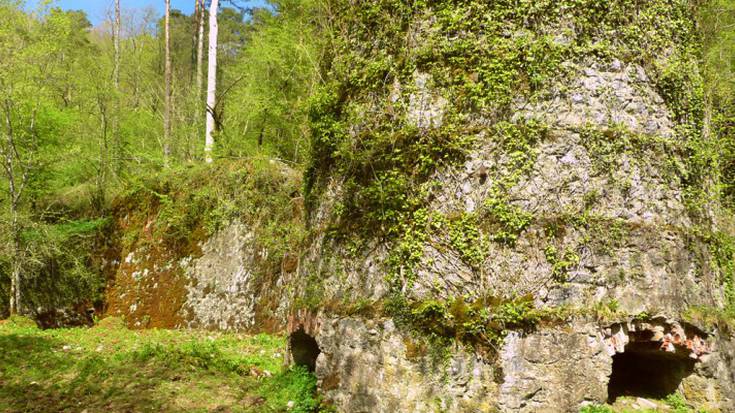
x=644 y=370
x=304 y=349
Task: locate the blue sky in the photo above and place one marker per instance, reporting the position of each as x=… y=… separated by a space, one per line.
x=96 y=8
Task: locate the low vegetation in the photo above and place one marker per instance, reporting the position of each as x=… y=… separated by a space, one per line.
x=674 y=403
x=109 y=368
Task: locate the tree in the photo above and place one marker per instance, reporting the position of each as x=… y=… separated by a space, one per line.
x=44 y=51
x=18 y=144
x=168 y=89
x=277 y=66
x=16 y=166
x=116 y=36
x=717 y=25
x=117 y=145
x=200 y=49
x=211 y=81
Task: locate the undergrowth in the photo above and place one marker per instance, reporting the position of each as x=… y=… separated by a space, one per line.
x=183 y=207
x=674 y=403
x=110 y=368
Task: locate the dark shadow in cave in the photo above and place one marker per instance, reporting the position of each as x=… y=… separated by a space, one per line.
x=304 y=349
x=645 y=371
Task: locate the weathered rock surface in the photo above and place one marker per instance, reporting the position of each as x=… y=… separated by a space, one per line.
x=222 y=286
x=596 y=210
x=369 y=366
x=606 y=189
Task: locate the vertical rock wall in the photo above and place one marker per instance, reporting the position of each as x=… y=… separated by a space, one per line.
x=550 y=151
x=209 y=248
x=222 y=286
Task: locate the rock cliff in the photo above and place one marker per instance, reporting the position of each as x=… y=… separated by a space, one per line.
x=513 y=210
x=510 y=208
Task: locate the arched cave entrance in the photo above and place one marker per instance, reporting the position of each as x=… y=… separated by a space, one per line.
x=304 y=349
x=644 y=370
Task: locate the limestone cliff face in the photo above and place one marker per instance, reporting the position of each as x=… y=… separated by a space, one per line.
x=545 y=151
x=230 y=279
x=222 y=286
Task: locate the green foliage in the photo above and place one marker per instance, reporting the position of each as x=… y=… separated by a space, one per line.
x=275 y=73
x=58 y=263
x=712 y=317
x=716 y=20
x=466 y=238
x=595 y=408
x=21 y=322
x=186 y=205
x=607 y=145
x=510 y=219
x=480 y=323
x=674 y=403
x=677 y=403
x=561 y=263
x=722 y=246
x=82 y=139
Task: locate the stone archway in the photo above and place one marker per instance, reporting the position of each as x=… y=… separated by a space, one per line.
x=652 y=358
x=643 y=370
x=304 y=349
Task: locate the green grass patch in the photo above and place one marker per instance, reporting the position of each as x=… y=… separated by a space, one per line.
x=109 y=368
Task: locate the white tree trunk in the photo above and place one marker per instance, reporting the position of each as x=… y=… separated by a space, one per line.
x=15 y=301
x=167 y=73
x=116 y=144
x=117 y=44
x=200 y=52
x=211 y=81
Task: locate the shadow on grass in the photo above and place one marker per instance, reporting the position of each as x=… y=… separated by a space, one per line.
x=38 y=375
x=110 y=371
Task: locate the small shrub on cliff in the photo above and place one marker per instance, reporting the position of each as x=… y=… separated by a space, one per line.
x=481 y=322
x=182 y=207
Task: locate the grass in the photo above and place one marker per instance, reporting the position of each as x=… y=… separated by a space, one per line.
x=674 y=403
x=108 y=368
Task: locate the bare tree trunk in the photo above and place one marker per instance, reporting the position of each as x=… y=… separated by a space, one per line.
x=200 y=52
x=198 y=115
x=103 y=156
x=211 y=81
x=167 y=75
x=116 y=75
x=11 y=165
x=117 y=144
x=15 y=301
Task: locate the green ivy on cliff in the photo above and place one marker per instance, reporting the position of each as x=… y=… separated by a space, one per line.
x=184 y=207
x=481 y=58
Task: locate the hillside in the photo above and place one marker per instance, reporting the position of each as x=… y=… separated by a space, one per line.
x=370 y=207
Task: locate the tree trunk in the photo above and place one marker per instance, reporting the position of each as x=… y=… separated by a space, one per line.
x=211 y=81
x=167 y=75
x=117 y=143
x=15 y=301
x=99 y=198
x=197 y=115
x=117 y=45
x=14 y=193
x=200 y=52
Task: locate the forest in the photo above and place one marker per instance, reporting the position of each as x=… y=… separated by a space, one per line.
x=92 y=113
x=225 y=210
